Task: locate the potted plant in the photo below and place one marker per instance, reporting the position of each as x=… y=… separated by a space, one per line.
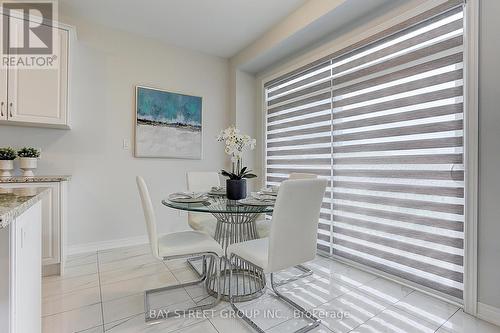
x=235 y=144
x=7 y=156
x=28 y=157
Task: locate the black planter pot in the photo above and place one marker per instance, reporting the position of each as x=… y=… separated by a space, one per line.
x=236 y=189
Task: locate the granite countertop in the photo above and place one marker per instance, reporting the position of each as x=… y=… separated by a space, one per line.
x=34 y=179
x=15 y=201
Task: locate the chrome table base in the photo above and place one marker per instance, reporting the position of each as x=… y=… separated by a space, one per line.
x=249 y=283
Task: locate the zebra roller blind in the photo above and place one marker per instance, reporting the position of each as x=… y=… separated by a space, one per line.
x=384 y=124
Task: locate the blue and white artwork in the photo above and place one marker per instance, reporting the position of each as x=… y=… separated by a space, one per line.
x=168 y=124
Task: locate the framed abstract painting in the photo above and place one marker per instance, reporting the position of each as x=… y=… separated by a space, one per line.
x=168 y=124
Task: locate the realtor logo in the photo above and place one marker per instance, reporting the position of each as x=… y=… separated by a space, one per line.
x=28 y=34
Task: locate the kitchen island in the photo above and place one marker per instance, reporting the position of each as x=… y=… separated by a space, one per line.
x=21 y=259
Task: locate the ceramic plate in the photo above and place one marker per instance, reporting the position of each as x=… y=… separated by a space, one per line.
x=255 y=202
x=188 y=200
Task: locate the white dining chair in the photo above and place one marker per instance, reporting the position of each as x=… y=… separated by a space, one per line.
x=264 y=226
x=198 y=181
x=291 y=241
x=176 y=245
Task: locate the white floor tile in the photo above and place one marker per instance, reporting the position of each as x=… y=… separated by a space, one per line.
x=426 y=307
x=131 y=272
x=313 y=291
x=136 y=324
x=73 y=321
x=98 y=329
x=461 y=322
x=267 y=311
x=293 y=325
x=125 y=252
x=70 y=301
x=385 y=290
x=75 y=271
x=230 y=324
x=393 y=320
x=135 y=286
x=80 y=259
x=348 y=311
x=185 y=275
x=132 y=305
x=127 y=262
x=52 y=287
x=344 y=298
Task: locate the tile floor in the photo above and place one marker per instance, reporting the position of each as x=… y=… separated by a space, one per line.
x=103 y=292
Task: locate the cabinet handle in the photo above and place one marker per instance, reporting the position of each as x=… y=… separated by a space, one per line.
x=1 y=108
x=10 y=109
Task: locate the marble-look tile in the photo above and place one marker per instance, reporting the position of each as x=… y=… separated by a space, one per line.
x=313 y=291
x=230 y=324
x=385 y=290
x=80 y=259
x=185 y=275
x=134 y=286
x=75 y=271
x=106 y=256
x=98 y=329
x=73 y=321
x=136 y=324
x=131 y=272
x=176 y=264
x=70 y=301
x=348 y=311
x=393 y=320
x=132 y=305
x=325 y=266
x=127 y=262
x=293 y=325
x=266 y=311
x=52 y=287
x=426 y=307
x=461 y=322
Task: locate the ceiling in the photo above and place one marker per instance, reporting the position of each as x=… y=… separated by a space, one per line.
x=346 y=17
x=217 y=27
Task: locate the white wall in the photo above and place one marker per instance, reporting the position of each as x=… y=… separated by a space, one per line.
x=103 y=201
x=489 y=155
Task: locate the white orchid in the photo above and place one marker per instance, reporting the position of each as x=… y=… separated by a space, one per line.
x=235 y=144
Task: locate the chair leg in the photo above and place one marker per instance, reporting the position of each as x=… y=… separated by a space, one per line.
x=240 y=314
x=156 y=315
x=305 y=273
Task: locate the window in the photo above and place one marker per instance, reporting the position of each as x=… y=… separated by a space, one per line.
x=383 y=122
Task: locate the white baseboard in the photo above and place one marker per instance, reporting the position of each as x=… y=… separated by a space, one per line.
x=489 y=313
x=106 y=245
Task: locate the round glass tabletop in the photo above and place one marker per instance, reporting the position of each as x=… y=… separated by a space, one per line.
x=219 y=204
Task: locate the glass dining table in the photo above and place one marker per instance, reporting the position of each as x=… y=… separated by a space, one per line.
x=235 y=223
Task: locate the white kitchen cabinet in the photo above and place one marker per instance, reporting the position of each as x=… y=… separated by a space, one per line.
x=54 y=215
x=26 y=278
x=37 y=97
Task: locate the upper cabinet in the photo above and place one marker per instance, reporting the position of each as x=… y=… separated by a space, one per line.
x=37 y=96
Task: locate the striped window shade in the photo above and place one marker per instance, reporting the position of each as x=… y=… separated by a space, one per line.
x=383 y=122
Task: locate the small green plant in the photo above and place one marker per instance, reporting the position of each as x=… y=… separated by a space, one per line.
x=7 y=153
x=28 y=152
x=243 y=173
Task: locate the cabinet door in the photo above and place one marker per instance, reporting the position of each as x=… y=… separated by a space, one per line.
x=27 y=277
x=51 y=221
x=39 y=96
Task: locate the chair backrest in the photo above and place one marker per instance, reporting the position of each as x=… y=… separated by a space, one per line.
x=294 y=227
x=149 y=215
x=202 y=181
x=299 y=175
